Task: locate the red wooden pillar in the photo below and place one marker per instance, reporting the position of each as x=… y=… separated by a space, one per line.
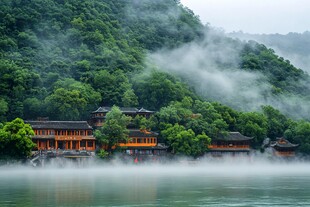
x=48 y=144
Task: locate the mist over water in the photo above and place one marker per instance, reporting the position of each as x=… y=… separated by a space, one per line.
x=208 y=182
x=222 y=166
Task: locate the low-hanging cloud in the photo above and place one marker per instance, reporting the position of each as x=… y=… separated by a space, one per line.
x=212 y=67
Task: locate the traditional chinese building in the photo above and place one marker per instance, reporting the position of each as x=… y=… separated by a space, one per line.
x=98 y=116
x=283 y=148
x=65 y=135
x=142 y=142
x=233 y=143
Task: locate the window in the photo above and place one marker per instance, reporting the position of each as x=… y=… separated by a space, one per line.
x=89 y=144
x=82 y=133
x=52 y=143
x=83 y=144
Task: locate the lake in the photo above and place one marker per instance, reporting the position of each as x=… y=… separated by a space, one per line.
x=184 y=184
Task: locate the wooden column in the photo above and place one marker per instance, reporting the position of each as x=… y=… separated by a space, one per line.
x=94 y=146
x=71 y=144
x=79 y=145
x=56 y=144
x=48 y=144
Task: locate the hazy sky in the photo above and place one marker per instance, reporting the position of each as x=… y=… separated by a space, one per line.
x=254 y=16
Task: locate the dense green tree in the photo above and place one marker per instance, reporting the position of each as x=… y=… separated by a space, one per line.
x=129 y=98
x=277 y=122
x=158 y=89
x=185 y=142
x=65 y=104
x=3 y=110
x=87 y=92
x=228 y=114
x=15 y=140
x=114 y=88
x=253 y=124
x=299 y=133
x=33 y=108
x=114 y=130
x=143 y=123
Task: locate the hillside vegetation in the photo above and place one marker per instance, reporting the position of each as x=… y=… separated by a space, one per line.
x=64 y=58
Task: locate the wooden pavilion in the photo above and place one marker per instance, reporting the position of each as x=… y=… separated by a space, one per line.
x=283 y=148
x=64 y=135
x=142 y=142
x=98 y=117
x=232 y=143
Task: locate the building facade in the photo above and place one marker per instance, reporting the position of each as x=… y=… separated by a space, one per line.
x=233 y=143
x=140 y=142
x=63 y=135
x=98 y=117
x=283 y=148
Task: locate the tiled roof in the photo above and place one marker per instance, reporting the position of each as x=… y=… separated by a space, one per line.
x=75 y=125
x=283 y=143
x=105 y=109
x=234 y=136
x=138 y=133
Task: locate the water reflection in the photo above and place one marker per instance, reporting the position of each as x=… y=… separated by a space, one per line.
x=230 y=184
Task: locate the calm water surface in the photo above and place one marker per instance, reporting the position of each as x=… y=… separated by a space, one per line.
x=203 y=185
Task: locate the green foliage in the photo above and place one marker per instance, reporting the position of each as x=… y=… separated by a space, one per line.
x=64 y=104
x=15 y=139
x=277 y=122
x=185 y=142
x=3 y=109
x=253 y=124
x=283 y=76
x=114 y=88
x=87 y=94
x=114 y=130
x=143 y=123
x=64 y=58
x=161 y=23
x=102 y=154
x=129 y=98
x=299 y=132
x=158 y=89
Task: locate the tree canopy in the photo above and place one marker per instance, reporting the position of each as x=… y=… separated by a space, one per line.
x=114 y=129
x=15 y=140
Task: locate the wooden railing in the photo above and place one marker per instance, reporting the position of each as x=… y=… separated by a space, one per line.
x=137 y=144
x=290 y=153
x=229 y=147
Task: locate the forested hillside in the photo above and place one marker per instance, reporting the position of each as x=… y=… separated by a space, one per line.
x=71 y=56
x=292 y=46
x=63 y=58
